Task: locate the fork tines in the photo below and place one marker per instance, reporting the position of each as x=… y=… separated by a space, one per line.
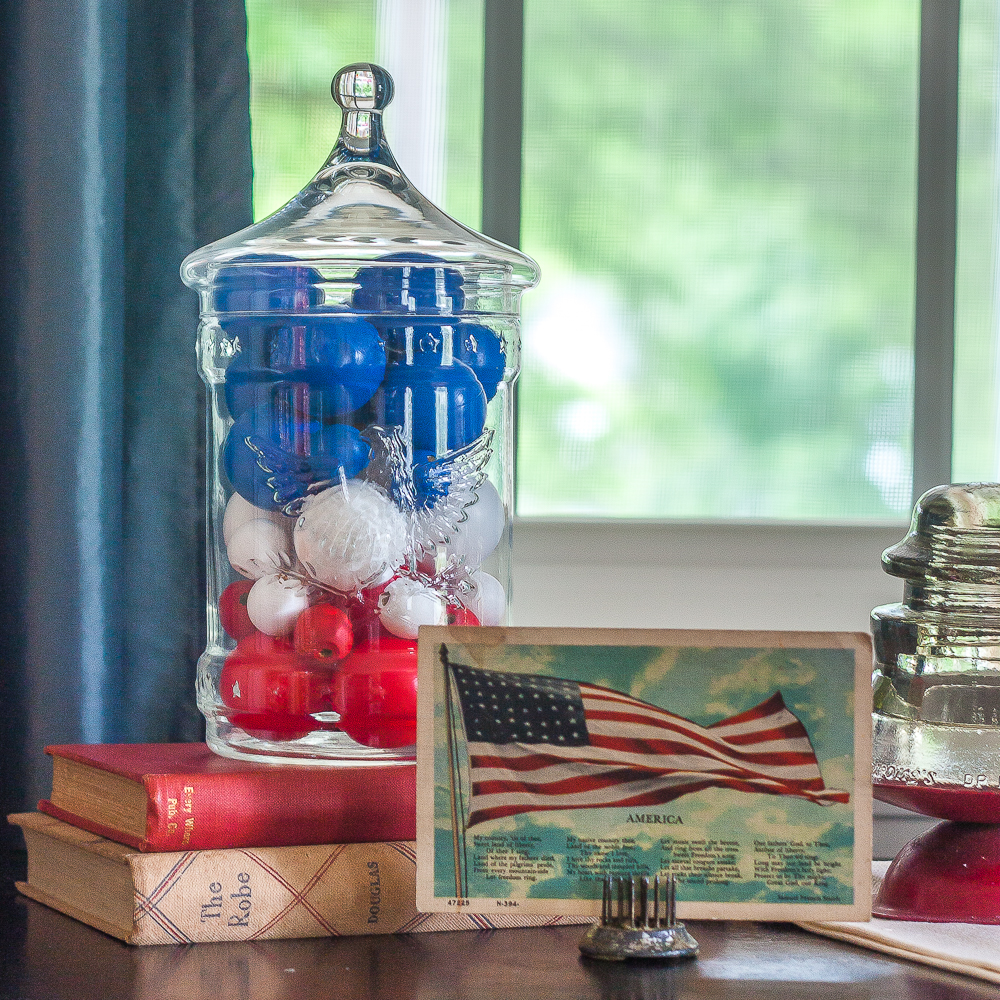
x=622 y=906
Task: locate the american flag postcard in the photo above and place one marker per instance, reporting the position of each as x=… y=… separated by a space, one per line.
x=739 y=762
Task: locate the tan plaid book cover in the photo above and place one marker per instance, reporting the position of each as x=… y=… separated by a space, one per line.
x=240 y=894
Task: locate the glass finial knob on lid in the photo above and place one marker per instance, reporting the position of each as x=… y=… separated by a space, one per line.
x=363 y=90
x=362 y=87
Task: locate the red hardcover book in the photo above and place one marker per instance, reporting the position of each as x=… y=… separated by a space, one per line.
x=181 y=796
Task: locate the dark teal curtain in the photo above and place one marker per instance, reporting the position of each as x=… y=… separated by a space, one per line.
x=124 y=145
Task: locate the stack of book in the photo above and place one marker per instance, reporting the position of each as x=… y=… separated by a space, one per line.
x=169 y=843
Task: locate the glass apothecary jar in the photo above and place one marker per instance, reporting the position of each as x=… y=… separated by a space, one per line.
x=360 y=349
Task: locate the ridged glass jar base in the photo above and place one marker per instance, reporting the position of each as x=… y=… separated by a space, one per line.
x=323 y=748
x=324 y=745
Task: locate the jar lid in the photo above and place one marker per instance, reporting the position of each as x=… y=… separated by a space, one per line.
x=360 y=207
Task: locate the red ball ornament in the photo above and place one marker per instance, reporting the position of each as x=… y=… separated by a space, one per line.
x=275 y=728
x=366 y=624
x=233 y=610
x=375 y=692
x=265 y=676
x=323 y=631
x=459 y=614
x=370 y=595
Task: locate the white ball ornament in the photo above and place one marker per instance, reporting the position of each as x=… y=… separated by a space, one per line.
x=488 y=601
x=240 y=510
x=275 y=602
x=479 y=534
x=350 y=535
x=260 y=547
x=405 y=605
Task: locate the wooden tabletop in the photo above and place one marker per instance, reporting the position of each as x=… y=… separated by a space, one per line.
x=46 y=956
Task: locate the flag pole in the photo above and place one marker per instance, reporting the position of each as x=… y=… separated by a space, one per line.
x=452 y=772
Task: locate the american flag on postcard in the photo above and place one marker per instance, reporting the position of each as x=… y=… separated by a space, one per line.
x=539 y=743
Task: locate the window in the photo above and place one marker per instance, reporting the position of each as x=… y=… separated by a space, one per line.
x=725 y=325
x=723 y=199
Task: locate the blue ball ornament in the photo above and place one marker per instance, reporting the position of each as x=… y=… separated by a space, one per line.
x=342 y=351
x=481 y=349
x=247 y=384
x=266 y=287
x=342 y=355
x=430 y=342
x=440 y=407
x=276 y=451
x=420 y=282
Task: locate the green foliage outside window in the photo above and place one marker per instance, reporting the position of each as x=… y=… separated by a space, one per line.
x=722 y=198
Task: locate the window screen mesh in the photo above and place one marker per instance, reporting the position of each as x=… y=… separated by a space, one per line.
x=721 y=196
x=976 y=454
